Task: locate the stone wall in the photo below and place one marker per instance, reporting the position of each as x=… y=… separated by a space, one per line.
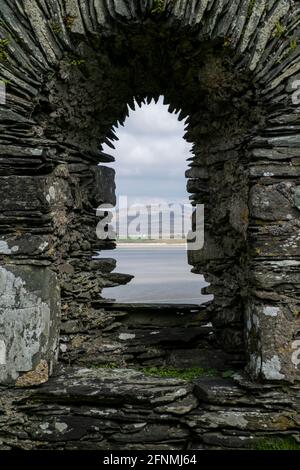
x=122 y=409
x=70 y=68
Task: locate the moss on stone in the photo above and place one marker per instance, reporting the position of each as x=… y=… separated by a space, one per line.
x=3 y=49
x=175 y=373
x=227 y=41
x=293 y=45
x=77 y=62
x=184 y=374
x=158 y=6
x=275 y=443
x=280 y=30
x=55 y=27
x=250 y=8
x=69 y=21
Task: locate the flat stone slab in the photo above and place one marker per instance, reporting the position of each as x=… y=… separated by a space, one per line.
x=111 y=386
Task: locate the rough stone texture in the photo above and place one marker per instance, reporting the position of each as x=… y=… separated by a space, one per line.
x=29 y=320
x=100 y=409
x=71 y=67
x=147 y=335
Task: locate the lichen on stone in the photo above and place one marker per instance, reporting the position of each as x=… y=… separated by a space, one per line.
x=35 y=377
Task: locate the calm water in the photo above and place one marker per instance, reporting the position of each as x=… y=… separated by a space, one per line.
x=162 y=275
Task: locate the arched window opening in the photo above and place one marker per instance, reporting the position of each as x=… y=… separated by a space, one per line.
x=153 y=209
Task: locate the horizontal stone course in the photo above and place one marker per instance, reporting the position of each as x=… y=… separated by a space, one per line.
x=107 y=409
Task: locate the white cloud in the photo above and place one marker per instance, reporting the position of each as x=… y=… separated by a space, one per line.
x=153 y=119
x=151 y=153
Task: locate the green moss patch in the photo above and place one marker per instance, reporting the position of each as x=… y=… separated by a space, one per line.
x=183 y=374
x=276 y=443
x=3 y=49
x=250 y=8
x=158 y=6
x=189 y=374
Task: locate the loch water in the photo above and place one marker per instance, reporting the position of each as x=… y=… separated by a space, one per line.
x=162 y=275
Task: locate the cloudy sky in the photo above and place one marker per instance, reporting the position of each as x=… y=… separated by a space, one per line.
x=151 y=155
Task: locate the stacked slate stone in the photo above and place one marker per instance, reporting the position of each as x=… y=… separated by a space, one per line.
x=103 y=409
x=70 y=68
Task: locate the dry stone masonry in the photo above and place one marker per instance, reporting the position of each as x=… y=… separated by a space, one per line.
x=72 y=362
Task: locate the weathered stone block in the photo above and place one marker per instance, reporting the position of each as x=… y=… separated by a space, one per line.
x=271 y=202
x=21 y=193
x=279 y=274
x=273 y=246
x=241 y=419
x=29 y=323
x=24 y=244
x=271 y=332
x=279 y=171
x=34 y=193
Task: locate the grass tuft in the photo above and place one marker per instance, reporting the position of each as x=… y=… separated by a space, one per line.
x=280 y=30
